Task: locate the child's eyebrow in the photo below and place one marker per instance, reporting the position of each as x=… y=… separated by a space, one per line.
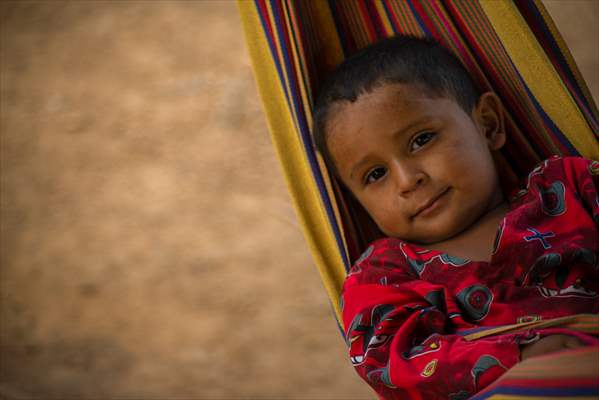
x=412 y=125
x=399 y=132
x=357 y=166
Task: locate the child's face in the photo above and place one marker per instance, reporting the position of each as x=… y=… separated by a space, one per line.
x=419 y=164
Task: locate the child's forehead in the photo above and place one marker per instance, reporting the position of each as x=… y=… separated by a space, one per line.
x=388 y=97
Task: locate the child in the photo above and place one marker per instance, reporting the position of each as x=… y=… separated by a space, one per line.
x=403 y=127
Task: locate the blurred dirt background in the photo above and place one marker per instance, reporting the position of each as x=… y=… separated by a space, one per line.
x=148 y=246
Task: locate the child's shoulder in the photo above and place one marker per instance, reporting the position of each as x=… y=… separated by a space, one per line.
x=381 y=251
x=566 y=170
x=558 y=165
x=384 y=256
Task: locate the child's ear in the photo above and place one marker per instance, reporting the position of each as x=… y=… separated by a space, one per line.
x=488 y=114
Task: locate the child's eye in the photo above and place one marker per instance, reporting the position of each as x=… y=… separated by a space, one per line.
x=374 y=175
x=421 y=139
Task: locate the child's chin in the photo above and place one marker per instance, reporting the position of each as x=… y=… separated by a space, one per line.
x=442 y=228
x=440 y=234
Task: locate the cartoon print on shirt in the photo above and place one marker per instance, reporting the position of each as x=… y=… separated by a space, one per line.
x=585 y=256
x=482 y=365
x=417 y=266
x=429 y=345
x=528 y=318
x=437 y=299
x=419 y=260
x=453 y=260
x=576 y=289
x=540 y=237
x=594 y=171
x=552 y=278
x=412 y=257
x=475 y=301
x=364 y=335
x=538 y=170
x=355 y=270
x=498 y=236
x=461 y=395
x=553 y=199
x=514 y=197
x=365 y=255
x=429 y=369
x=382 y=374
x=542 y=268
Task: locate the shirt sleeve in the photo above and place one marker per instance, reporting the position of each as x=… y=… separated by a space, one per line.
x=584 y=174
x=400 y=335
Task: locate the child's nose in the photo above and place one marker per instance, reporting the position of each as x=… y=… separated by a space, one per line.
x=408 y=178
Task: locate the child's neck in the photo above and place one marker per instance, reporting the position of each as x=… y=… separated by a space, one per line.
x=477 y=241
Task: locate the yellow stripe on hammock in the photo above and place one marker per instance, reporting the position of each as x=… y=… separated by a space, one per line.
x=304 y=190
x=540 y=76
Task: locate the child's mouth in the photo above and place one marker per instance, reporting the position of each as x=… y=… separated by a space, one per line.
x=431 y=206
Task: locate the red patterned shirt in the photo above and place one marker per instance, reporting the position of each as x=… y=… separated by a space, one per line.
x=406 y=308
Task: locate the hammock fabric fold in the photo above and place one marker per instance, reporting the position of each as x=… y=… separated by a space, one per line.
x=510 y=47
x=569 y=374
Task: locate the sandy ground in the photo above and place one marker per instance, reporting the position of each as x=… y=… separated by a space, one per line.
x=148 y=245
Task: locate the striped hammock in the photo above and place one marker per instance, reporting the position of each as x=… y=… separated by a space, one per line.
x=509 y=46
x=565 y=375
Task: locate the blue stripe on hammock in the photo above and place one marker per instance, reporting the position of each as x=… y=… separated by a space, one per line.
x=556 y=132
x=272 y=47
x=302 y=127
x=538 y=391
x=415 y=13
x=557 y=54
x=388 y=13
x=342 y=37
x=517 y=166
x=372 y=14
x=287 y=64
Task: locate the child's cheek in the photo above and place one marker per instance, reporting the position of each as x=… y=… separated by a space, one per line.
x=385 y=213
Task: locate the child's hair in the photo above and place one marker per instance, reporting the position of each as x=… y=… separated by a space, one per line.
x=399 y=59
